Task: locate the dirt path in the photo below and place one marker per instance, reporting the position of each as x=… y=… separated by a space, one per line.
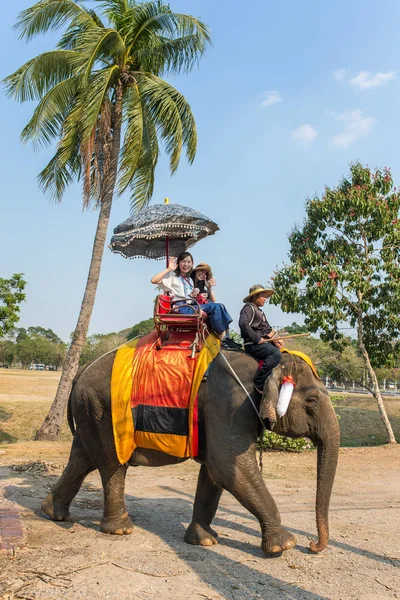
x=76 y=561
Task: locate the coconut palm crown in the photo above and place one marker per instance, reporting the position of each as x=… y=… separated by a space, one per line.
x=106 y=73
x=102 y=97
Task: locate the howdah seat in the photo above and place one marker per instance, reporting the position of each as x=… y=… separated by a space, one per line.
x=167 y=319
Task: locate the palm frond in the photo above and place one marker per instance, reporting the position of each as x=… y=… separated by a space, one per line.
x=68 y=148
x=118 y=12
x=57 y=175
x=168 y=24
x=98 y=87
x=48 y=15
x=36 y=77
x=47 y=120
x=132 y=145
x=151 y=17
x=97 y=45
x=69 y=39
x=172 y=115
x=142 y=183
x=162 y=55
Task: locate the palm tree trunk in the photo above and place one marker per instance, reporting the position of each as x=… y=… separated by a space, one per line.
x=374 y=379
x=51 y=426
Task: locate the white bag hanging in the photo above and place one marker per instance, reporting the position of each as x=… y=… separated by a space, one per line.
x=285 y=395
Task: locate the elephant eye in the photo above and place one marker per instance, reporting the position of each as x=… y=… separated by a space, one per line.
x=312 y=399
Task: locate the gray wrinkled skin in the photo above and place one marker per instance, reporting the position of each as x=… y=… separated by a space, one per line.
x=228 y=457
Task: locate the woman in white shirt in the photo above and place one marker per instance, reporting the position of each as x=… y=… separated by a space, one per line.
x=176 y=280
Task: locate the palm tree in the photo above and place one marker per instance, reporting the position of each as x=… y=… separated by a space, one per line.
x=101 y=96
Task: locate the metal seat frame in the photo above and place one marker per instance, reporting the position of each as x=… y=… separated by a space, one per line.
x=165 y=323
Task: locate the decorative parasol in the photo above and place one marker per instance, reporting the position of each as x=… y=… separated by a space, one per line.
x=161 y=230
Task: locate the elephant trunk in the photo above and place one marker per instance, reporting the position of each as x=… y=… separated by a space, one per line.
x=328 y=452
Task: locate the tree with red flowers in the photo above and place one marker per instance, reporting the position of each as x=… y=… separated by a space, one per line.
x=345 y=268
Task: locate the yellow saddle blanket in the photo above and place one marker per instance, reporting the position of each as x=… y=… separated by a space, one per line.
x=154 y=394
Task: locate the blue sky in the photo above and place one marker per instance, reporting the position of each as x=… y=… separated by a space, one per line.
x=286 y=97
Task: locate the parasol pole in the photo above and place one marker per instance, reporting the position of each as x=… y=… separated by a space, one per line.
x=166 y=201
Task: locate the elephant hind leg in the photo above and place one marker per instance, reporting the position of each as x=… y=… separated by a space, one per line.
x=57 y=502
x=205 y=506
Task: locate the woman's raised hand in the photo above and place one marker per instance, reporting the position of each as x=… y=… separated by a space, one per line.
x=172 y=263
x=211 y=282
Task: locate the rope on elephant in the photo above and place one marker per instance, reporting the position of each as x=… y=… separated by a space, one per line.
x=236 y=376
x=112 y=350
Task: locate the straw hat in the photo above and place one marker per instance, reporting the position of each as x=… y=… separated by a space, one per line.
x=258 y=289
x=203 y=267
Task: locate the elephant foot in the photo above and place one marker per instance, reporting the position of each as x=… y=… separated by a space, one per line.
x=55 y=510
x=119 y=526
x=278 y=543
x=201 y=536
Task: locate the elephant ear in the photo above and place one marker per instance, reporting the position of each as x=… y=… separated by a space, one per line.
x=270 y=396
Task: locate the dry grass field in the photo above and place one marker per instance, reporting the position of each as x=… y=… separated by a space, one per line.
x=25 y=398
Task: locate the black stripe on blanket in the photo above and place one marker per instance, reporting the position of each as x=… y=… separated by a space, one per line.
x=160 y=419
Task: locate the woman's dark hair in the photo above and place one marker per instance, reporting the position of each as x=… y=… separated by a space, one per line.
x=182 y=256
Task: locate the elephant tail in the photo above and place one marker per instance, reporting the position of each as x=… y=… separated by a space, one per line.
x=70 y=416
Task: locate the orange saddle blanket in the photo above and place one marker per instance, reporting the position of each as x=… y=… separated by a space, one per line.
x=154 y=394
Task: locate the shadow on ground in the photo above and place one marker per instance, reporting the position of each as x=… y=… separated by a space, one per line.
x=164 y=517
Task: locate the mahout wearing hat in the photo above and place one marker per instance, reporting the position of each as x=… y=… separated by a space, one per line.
x=258 y=289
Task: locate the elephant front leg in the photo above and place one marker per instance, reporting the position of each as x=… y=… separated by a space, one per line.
x=205 y=506
x=249 y=489
x=115 y=518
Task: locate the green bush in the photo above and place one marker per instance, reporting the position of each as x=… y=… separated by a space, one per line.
x=335 y=398
x=273 y=441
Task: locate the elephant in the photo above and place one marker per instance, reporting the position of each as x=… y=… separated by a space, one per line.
x=227 y=447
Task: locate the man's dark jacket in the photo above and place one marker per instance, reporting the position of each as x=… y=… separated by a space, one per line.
x=253 y=324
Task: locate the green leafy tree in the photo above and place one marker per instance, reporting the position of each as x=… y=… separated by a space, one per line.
x=295 y=328
x=141 y=328
x=11 y=296
x=345 y=267
x=99 y=344
x=20 y=333
x=7 y=352
x=344 y=364
x=38 y=349
x=46 y=333
x=101 y=95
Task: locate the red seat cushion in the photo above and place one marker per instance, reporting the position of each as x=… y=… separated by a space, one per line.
x=175 y=320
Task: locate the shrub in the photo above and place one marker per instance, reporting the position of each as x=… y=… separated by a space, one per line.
x=273 y=441
x=335 y=398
